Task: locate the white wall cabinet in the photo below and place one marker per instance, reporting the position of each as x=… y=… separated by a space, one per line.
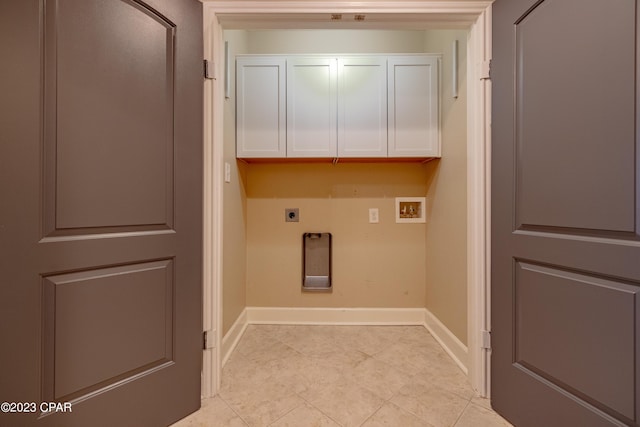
x=358 y=106
x=311 y=107
x=362 y=106
x=414 y=129
x=260 y=107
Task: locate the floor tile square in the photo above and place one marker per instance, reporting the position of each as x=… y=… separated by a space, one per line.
x=213 y=413
x=347 y=403
x=430 y=403
x=391 y=415
x=477 y=416
x=378 y=377
x=305 y=415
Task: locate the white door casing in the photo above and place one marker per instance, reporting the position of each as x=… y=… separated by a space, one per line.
x=474 y=15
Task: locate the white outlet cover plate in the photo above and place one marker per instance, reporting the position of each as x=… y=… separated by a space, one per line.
x=227 y=172
x=374 y=216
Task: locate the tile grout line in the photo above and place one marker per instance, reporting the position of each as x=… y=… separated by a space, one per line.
x=374 y=412
x=314 y=406
x=285 y=414
x=233 y=410
x=462 y=413
x=306 y=357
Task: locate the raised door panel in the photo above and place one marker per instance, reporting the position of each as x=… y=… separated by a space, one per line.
x=93 y=312
x=109 y=157
x=105 y=169
x=562 y=157
x=312 y=107
x=565 y=203
x=362 y=107
x=413 y=106
x=579 y=310
x=261 y=107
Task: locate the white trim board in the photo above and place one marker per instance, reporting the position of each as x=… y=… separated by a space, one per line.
x=233 y=335
x=448 y=341
x=335 y=316
x=479 y=203
x=347 y=316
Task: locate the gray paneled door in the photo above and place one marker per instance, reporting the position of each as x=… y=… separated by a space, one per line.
x=101 y=210
x=565 y=213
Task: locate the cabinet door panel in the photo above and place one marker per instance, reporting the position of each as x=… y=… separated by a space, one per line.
x=413 y=107
x=362 y=107
x=260 y=109
x=312 y=107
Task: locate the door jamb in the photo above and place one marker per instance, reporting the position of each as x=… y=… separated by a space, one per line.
x=479 y=204
x=478 y=166
x=213 y=158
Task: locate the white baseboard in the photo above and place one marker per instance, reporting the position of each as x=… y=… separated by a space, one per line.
x=233 y=335
x=346 y=316
x=449 y=342
x=335 y=316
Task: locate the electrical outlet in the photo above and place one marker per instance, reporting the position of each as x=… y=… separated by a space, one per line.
x=292 y=215
x=374 y=216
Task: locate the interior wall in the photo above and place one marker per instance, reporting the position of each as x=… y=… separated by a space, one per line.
x=374 y=265
x=336 y=41
x=446 y=231
x=234 y=271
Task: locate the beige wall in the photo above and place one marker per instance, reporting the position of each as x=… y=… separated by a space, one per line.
x=234 y=251
x=446 y=234
x=336 y=41
x=374 y=265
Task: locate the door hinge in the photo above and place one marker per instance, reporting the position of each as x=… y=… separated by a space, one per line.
x=208 y=340
x=485 y=70
x=209 y=69
x=486 y=339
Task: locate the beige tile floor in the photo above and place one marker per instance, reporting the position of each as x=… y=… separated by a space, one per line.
x=326 y=376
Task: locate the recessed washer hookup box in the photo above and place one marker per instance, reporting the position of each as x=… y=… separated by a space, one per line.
x=316 y=262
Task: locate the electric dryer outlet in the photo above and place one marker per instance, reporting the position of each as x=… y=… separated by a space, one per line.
x=292 y=215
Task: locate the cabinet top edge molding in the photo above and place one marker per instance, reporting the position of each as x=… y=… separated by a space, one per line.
x=336 y=55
